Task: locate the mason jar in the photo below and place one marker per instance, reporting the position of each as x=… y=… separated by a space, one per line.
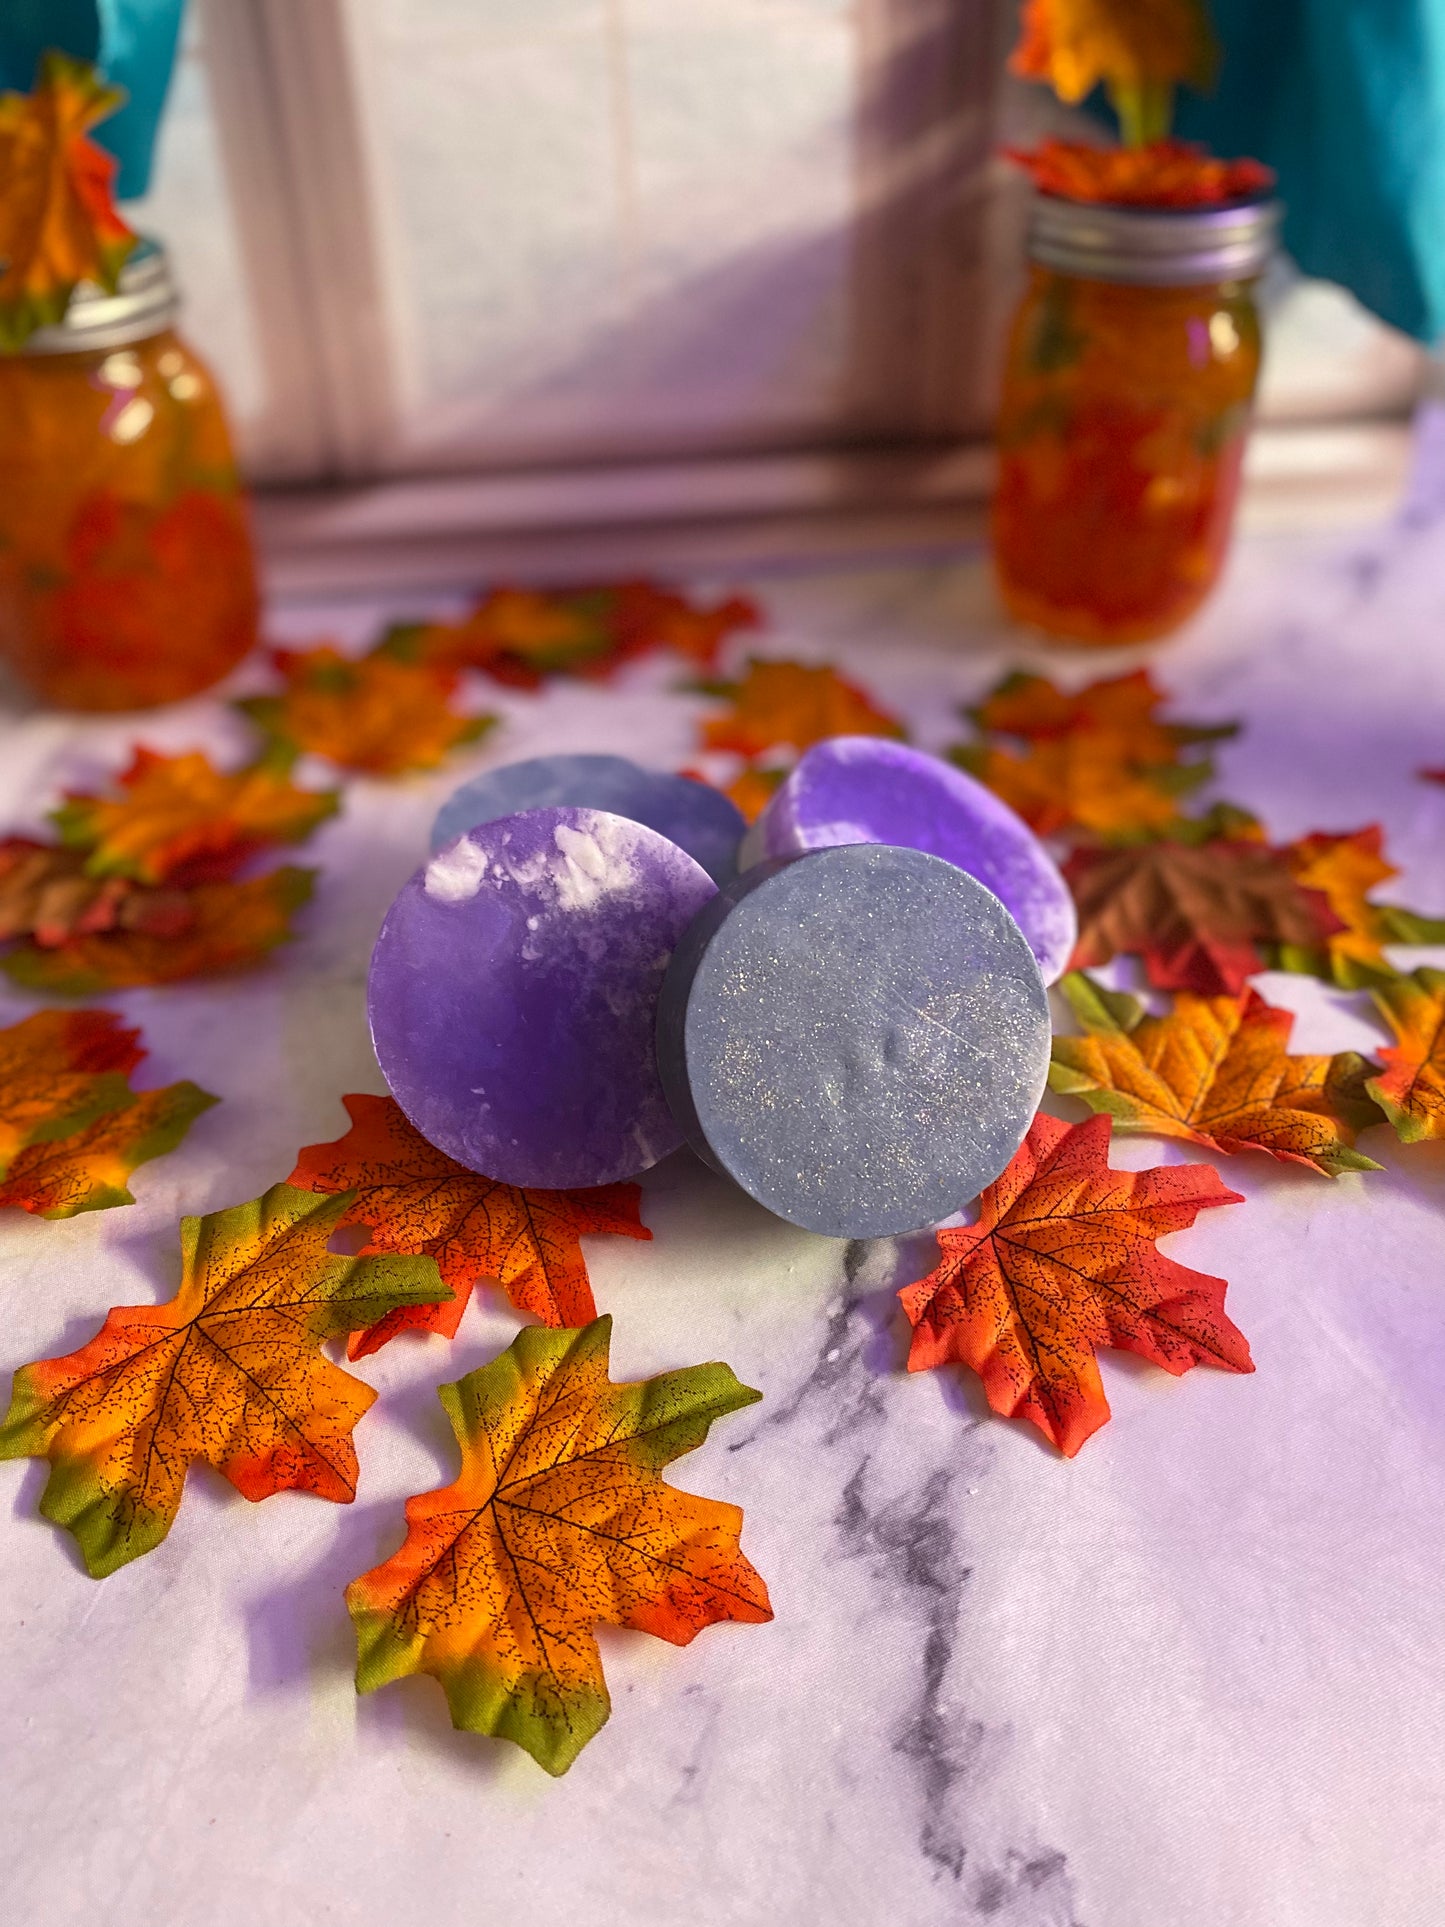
x=127 y=576
x=1126 y=405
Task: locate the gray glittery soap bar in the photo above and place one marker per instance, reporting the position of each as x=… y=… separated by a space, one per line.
x=859 y=1037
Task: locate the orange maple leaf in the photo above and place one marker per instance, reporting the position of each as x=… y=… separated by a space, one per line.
x=1200 y=915
x=521 y=636
x=559 y=1522
x=180 y=820
x=59 y=1071
x=1100 y=760
x=752 y=789
x=58 y=224
x=227 y=926
x=1138 y=49
x=1344 y=869
x=229 y=1374
x=1163 y=173
x=792 y=705
x=415 y=1199
x=374 y=713
x=1062 y=1261
x=1411 y=1088
x=1215 y=1071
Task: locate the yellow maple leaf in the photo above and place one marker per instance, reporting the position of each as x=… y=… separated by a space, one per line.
x=1140 y=50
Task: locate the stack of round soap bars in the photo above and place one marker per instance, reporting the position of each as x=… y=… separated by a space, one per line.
x=843 y=1009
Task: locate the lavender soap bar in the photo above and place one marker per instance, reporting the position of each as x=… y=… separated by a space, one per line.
x=700 y=819
x=513 y=995
x=863 y=789
x=859 y=1037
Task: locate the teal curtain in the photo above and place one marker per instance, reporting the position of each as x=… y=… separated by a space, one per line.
x=134 y=44
x=1345 y=99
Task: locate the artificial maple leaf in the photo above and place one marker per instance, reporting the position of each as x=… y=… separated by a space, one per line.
x=415 y=1199
x=1197 y=914
x=1138 y=49
x=1099 y=760
x=521 y=636
x=180 y=820
x=1411 y=1088
x=87 y=1170
x=1344 y=869
x=1163 y=173
x=558 y=1523
x=58 y=224
x=752 y=789
x=46 y=895
x=793 y=704
x=1062 y=1261
x=1215 y=1071
x=229 y=1374
x=59 y=1071
x=229 y=926
x=375 y=713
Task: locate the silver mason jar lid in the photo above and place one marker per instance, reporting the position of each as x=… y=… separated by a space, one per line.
x=1154 y=247
x=145 y=302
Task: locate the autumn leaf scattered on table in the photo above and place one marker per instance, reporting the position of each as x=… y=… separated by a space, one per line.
x=521 y=636
x=58 y=224
x=376 y=713
x=1215 y=1071
x=229 y=1374
x=227 y=926
x=1100 y=761
x=1163 y=173
x=415 y=1199
x=1199 y=915
x=1344 y=869
x=1411 y=1088
x=793 y=705
x=1139 y=50
x=559 y=1522
x=45 y=895
x=88 y=1171
x=180 y=820
x=1061 y=1262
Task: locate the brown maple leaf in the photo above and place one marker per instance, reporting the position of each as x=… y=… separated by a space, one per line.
x=228 y=926
x=1198 y=915
x=559 y=1522
x=1063 y=1261
x=180 y=820
x=229 y=1373
x=46 y=895
x=792 y=705
x=415 y=1199
x=58 y=224
x=1215 y=1071
x=377 y=713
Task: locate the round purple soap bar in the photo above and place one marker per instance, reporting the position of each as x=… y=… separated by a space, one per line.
x=700 y=819
x=863 y=789
x=859 y=1037
x=513 y=995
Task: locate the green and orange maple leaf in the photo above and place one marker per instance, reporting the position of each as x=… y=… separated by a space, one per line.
x=229 y=1374
x=1061 y=1262
x=58 y=224
x=1216 y=1071
x=1344 y=869
x=1139 y=50
x=1098 y=763
x=1411 y=1088
x=179 y=820
x=71 y=1128
x=559 y=1522
x=416 y=1200
x=377 y=714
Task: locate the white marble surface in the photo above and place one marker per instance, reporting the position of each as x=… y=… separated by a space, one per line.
x=1194 y=1678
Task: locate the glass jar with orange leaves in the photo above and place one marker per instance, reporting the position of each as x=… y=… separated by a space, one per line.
x=1127 y=396
x=127 y=576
